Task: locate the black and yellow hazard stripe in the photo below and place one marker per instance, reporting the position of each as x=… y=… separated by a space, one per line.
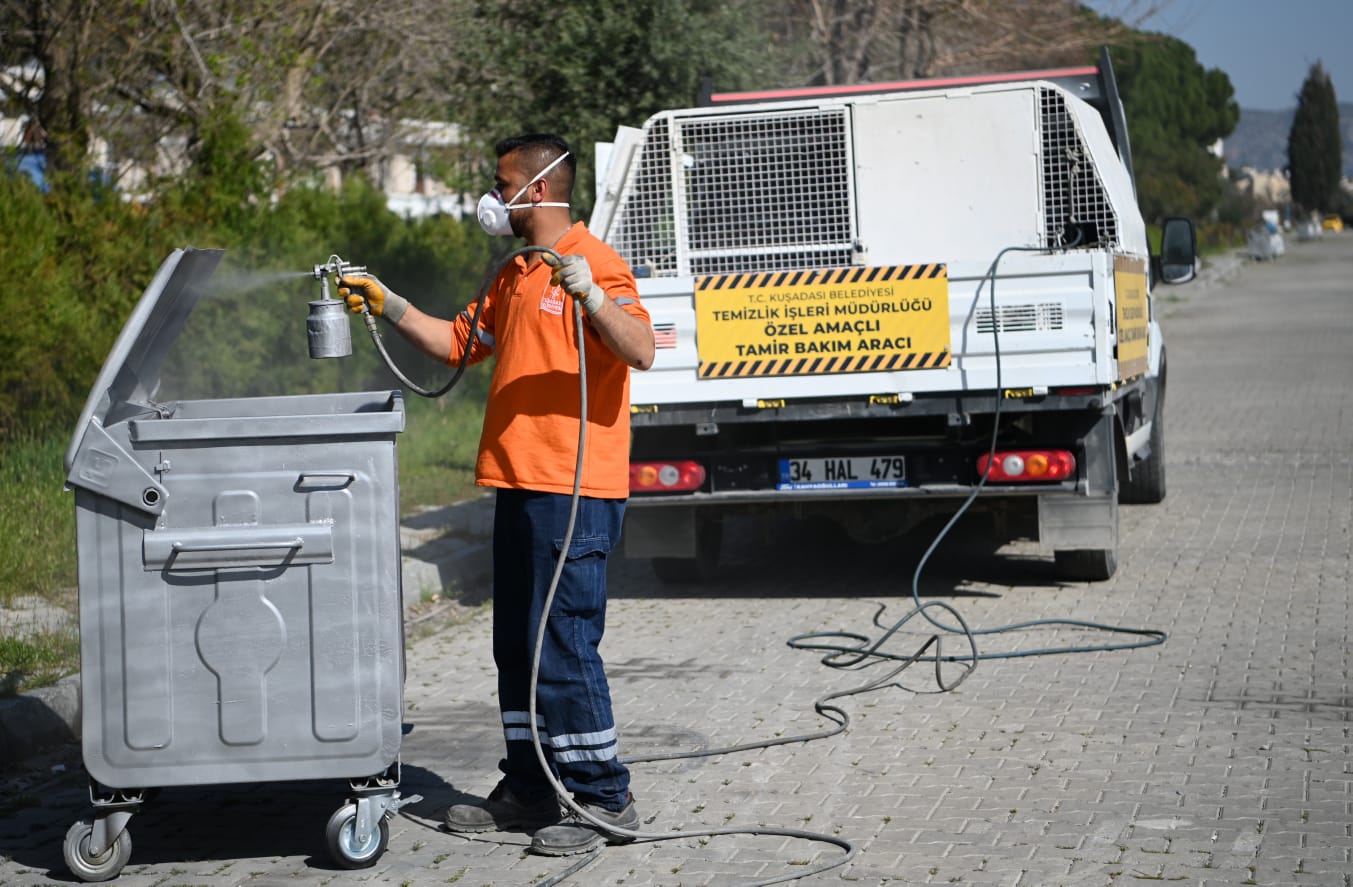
x=806 y=366
x=817 y=364
x=821 y=277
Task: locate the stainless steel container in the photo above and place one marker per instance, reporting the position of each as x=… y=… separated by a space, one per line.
x=240 y=600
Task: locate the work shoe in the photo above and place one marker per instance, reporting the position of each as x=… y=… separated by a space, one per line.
x=502 y=810
x=576 y=835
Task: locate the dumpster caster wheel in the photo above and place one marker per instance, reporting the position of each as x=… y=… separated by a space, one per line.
x=88 y=867
x=341 y=835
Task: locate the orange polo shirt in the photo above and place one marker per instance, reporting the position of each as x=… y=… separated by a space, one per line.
x=530 y=436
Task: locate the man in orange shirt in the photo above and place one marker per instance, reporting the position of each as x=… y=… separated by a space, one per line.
x=528 y=451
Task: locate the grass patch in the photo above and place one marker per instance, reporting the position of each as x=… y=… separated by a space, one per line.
x=37 y=519
x=37 y=559
x=438 y=447
x=37 y=660
x=1213 y=238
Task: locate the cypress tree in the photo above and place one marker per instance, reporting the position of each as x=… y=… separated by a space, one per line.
x=1314 y=146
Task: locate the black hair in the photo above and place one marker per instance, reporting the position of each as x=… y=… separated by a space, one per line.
x=543 y=148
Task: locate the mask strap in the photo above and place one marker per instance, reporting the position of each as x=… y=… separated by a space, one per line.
x=538 y=176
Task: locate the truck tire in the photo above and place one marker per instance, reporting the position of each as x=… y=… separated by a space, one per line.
x=698 y=569
x=1145 y=484
x=1088 y=565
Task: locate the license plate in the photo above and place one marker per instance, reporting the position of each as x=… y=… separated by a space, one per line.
x=842 y=473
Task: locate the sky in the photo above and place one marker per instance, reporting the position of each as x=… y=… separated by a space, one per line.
x=1266 y=47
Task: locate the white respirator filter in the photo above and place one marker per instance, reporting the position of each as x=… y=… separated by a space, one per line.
x=493 y=215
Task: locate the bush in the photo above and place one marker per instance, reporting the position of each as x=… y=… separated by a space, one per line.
x=78 y=259
x=73 y=275
x=1221 y=237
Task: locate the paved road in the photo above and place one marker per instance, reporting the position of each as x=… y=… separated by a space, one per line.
x=1219 y=757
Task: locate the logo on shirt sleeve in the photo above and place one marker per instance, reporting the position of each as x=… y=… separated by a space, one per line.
x=552 y=302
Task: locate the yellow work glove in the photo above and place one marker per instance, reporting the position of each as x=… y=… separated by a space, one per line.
x=575 y=276
x=364 y=292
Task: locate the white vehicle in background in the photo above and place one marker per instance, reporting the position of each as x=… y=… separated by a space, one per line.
x=859 y=292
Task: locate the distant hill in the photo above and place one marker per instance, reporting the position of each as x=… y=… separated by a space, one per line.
x=1260 y=139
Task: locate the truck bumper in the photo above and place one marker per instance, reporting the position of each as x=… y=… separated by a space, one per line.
x=1075 y=515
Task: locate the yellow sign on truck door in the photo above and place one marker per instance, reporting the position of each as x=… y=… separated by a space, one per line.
x=835 y=320
x=1134 y=317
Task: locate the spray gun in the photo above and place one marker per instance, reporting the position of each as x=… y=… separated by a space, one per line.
x=327 y=324
x=330 y=334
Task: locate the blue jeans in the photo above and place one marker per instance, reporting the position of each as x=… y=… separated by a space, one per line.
x=573 y=699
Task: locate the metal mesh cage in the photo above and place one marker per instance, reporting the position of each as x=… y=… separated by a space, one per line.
x=1076 y=210
x=644 y=230
x=718 y=194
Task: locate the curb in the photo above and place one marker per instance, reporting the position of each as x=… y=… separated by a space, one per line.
x=443 y=548
x=39 y=720
x=446 y=548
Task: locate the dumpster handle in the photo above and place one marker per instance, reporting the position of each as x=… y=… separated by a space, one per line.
x=231 y=546
x=324 y=480
x=296 y=542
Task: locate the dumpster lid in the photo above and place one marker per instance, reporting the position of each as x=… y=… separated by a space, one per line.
x=131 y=373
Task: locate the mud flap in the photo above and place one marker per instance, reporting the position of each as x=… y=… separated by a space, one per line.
x=1088 y=522
x=1067 y=523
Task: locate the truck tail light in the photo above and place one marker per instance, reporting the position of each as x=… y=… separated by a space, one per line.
x=666 y=477
x=1029 y=466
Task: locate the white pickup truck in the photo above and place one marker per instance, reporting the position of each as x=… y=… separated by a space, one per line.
x=860 y=293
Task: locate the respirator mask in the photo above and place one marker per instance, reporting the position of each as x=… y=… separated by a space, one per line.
x=493 y=212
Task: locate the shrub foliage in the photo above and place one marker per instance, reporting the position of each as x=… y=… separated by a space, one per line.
x=79 y=257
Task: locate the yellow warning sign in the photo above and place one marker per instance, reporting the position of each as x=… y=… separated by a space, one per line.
x=834 y=320
x=1134 y=319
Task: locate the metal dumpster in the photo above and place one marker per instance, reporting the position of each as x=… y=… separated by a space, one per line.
x=240 y=602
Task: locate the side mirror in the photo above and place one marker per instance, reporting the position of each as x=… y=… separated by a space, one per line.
x=1178 y=251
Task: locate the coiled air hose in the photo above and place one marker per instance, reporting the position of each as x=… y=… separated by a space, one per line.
x=844 y=650
x=862 y=651
x=859 y=652
x=839 y=655
x=849 y=849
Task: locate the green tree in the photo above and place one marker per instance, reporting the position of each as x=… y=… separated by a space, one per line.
x=78 y=259
x=63 y=60
x=857 y=41
x=1314 y=145
x=83 y=256
x=1176 y=111
x=320 y=83
x=582 y=69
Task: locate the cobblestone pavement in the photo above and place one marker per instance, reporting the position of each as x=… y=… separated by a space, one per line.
x=1219 y=757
